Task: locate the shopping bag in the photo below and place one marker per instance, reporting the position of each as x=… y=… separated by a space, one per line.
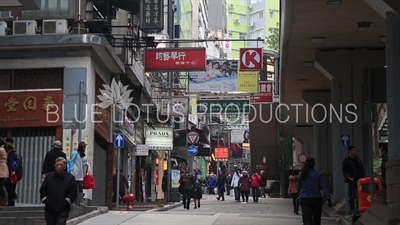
x=88 y=179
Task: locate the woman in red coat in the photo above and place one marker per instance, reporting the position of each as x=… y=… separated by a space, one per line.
x=256 y=180
x=244 y=186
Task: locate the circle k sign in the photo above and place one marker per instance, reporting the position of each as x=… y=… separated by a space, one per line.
x=250 y=59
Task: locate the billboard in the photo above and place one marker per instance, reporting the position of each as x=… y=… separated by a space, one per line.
x=265 y=94
x=174 y=59
x=221 y=75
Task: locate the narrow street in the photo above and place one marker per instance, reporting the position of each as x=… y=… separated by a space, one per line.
x=268 y=211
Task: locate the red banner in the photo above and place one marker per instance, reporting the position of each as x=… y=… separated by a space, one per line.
x=265 y=93
x=221 y=153
x=39 y=108
x=174 y=59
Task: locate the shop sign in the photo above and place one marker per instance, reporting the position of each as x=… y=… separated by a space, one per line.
x=174 y=106
x=39 y=108
x=174 y=59
x=102 y=116
x=127 y=125
x=235 y=106
x=152 y=16
x=265 y=94
x=142 y=150
x=160 y=138
x=221 y=154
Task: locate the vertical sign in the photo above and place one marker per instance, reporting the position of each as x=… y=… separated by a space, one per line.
x=152 y=16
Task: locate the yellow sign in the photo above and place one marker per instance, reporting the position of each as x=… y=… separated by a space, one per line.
x=247 y=81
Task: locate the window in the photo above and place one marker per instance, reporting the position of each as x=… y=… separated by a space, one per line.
x=242 y=18
x=260 y=15
x=243 y=2
x=53 y=8
x=5 y=14
x=230 y=16
x=242 y=35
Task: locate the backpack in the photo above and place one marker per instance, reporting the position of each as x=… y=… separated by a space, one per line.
x=18 y=160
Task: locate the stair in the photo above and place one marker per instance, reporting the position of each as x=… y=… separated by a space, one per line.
x=34 y=215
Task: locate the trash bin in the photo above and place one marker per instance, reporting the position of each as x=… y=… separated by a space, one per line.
x=364 y=193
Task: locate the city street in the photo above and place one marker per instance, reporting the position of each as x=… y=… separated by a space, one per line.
x=267 y=211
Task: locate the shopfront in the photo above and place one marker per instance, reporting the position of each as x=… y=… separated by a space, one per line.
x=159 y=141
x=25 y=116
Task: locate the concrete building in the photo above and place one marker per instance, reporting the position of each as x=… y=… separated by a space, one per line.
x=250 y=19
x=61 y=53
x=348 y=59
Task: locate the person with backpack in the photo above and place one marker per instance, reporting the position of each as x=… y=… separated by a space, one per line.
x=3 y=171
x=76 y=166
x=15 y=168
x=51 y=156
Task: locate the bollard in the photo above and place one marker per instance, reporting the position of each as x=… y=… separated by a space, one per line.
x=130 y=201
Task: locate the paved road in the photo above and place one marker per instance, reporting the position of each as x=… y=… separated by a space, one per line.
x=268 y=211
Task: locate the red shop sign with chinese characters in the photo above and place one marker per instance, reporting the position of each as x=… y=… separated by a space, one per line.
x=221 y=153
x=39 y=108
x=265 y=93
x=174 y=59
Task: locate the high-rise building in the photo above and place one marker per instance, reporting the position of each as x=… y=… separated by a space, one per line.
x=250 y=19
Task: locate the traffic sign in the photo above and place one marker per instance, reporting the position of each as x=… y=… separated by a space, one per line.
x=251 y=59
x=192 y=137
x=119 y=140
x=301 y=158
x=192 y=150
x=345 y=140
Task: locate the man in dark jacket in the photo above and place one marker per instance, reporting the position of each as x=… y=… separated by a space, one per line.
x=384 y=156
x=51 y=156
x=187 y=182
x=353 y=169
x=123 y=185
x=58 y=192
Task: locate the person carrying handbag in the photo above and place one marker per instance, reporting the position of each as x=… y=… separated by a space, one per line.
x=76 y=167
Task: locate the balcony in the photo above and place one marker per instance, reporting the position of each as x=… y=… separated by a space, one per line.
x=132 y=6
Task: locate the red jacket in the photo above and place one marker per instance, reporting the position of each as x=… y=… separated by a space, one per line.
x=256 y=181
x=245 y=183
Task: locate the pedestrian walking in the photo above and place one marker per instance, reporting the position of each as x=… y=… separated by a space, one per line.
x=58 y=192
x=123 y=186
x=263 y=184
x=51 y=156
x=221 y=182
x=77 y=167
x=255 y=186
x=244 y=186
x=187 y=181
x=15 y=169
x=198 y=192
x=310 y=183
x=353 y=170
x=3 y=171
x=235 y=184
x=292 y=190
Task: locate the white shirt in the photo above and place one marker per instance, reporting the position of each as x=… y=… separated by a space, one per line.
x=235 y=180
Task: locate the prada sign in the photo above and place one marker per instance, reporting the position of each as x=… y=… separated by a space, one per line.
x=160 y=138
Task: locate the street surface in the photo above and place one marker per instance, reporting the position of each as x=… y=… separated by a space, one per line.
x=268 y=211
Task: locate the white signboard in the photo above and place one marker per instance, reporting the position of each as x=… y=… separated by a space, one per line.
x=174 y=106
x=160 y=138
x=239 y=136
x=142 y=150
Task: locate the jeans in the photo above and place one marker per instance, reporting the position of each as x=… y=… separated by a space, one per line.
x=353 y=197
x=256 y=193
x=237 y=193
x=56 y=218
x=187 y=195
x=245 y=195
x=262 y=190
x=221 y=195
x=295 y=198
x=311 y=209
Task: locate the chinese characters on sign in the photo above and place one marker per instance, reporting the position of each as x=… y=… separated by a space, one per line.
x=27 y=109
x=265 y=94
x=152 y=16
x=174 y=59
x=221 y=154
x=235 y=106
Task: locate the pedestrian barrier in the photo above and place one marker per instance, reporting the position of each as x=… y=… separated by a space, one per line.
x=364 y=193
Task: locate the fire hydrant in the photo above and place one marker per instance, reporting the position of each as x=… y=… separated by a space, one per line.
x=130 y=200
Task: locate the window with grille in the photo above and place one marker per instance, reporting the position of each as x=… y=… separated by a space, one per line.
x=5 y=14
x=38 y=78
x=51 y=8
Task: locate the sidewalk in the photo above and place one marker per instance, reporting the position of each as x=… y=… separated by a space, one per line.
x=270 y=211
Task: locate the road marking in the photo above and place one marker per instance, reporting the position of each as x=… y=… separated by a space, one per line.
x=119 y=212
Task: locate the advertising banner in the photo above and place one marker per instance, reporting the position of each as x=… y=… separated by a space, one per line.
x=193 y=110
x=234 y=106
x=175 y=176
x=160 y=138
x=265 y=94
x=222 y=75
x=174 y=59
x=221 y=154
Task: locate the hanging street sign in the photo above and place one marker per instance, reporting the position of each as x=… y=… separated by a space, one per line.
x=225 y=106
x=192 y=137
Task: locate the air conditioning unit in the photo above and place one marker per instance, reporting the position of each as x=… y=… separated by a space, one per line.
x=3 y=28
x=237 y=21
x=24 y=27
x=250 y=7
x=251 y=24
x=55 y=27
x=230 y=5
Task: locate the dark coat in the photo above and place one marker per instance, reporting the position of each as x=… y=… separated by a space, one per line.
x=50 y=160
x=56 y=190
x=352 y=167
x=123 y=183
x=245 y=183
